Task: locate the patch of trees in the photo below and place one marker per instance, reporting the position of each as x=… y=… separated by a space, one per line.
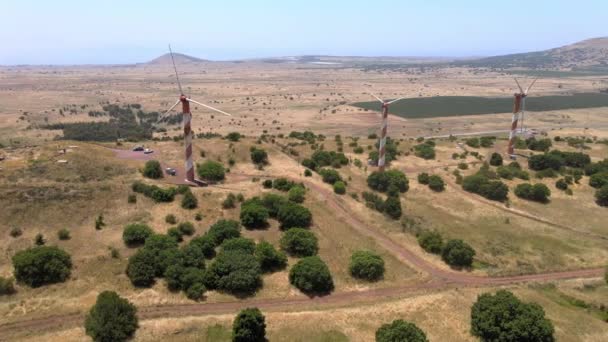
x=211 y=171
x=513 y=170
x=539 y=145
x=241 y=244
x=321 y=158
x=135 y=234
x=256 y=211
x=249 y=326
x=426 y=150
x=283 y=184
x=306 y=136
x=299 y=242
x=311 y=276
x=41 y=265
x=391 y=206
x=123 y=124
x=234 y=271
x=234 y=136
x=503 y=317
x=557 y=159
x=154 y=192
x=400 y=330
x=112 y=318
x=598 y=180
x=597 y=167
x=152 y=170
x=481 y=184
x=366 y=265
x=386 y=181
x=436 y=183
x=538 y=192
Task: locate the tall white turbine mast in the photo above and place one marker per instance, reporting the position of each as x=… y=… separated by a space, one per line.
x=518 y=110
x=384 y=130
x=187 y=119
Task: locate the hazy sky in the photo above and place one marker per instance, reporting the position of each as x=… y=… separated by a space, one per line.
x=80 y=32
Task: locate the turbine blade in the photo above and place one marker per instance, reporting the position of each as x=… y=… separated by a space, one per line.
x=530 y=86
x=171 y=108
x=399 y=99
x=379 y=99
x=176 y=75
x=516 y=81
x=204 y=105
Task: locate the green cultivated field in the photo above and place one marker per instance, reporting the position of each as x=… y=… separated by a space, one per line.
x=439 y=106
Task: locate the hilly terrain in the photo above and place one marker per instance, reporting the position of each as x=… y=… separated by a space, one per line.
x=180 y=58
x=590 y=54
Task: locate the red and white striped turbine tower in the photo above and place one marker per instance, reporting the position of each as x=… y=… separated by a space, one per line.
x=519 y=106
x=187 y=122
x=384 y=131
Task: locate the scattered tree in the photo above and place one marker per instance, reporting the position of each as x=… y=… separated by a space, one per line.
x=269 y=258
x=152 y=170
x=293 y=215
x=7 y=286
x=339 y=188
x=496 y=159
x=366 y=265
x=259 y=156
x=538 y=192
x=601 y=196
x=254 y=214
x=297 y=194
x=383 y=181
x=400 y=330
x=458 y=253
x=392 y=207
x=112 y=318
x=211 y=171
x=189 y=201
x=136 y=234
x=311 y=275
x=503 y=317
x=249 y=326
x=42 y=265
x=431 y=241
x=436 y=183
x=299 y=242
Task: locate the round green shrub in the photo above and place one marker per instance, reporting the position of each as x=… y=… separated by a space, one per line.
x=299 y=242
x=366 y=265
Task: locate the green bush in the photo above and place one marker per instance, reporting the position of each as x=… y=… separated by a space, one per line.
x=154 y=192
x=206 y=244
x=383 y=181
x=259 y=156
x=540 y=162
x=223 y=230
x=273 y=202
x=423 y=178
x=472 y=142
x=299 y=242
x=234 y=136
x=176 y=234
x=141 y=269
x=267 y=184
x=15 y=232
x=136 y=234
x=297 y=194
x=431 y=241
x=64 y=234
x=132 y=198
x=282 y=184
x=392 y=207
x=211 y=171
x=538 y=192
x=41 y=265
x=186 y=228
x=311 y=275
x=339 y=188
x=373 y=201
x=330 y=176
x=241 y=244
x=112 y=318
x=152 y=170
x=294 y=215
x=229 y=202
x=189 y=201
x=496 y=159
x=170 y=219
x=234 y=272
x=7 y=286
x=601 y=196
x=400 y=330
x=39 y=240
x=598 y=180
x=366 y=265
x=458 y=253
x=503 y=317
x=480 y=184
x=307 y=173
x=424 y=151
x=254 y=214
x=322 y=158
x=436 y=183
x=249 y=326
x=539 y=145
x=269 y=258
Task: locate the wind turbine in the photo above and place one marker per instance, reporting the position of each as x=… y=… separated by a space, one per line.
x=519 y=106
x=384 y=128
x=187 y=119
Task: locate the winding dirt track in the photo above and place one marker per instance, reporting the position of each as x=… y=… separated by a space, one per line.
x=439 y=279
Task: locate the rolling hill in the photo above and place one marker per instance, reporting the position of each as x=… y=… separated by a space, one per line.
x=180 y=58
x=590 y=54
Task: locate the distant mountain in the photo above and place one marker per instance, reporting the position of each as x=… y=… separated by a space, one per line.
x=180 y=58
x=587 y=54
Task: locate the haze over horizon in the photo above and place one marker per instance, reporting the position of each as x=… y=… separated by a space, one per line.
x=114 y=32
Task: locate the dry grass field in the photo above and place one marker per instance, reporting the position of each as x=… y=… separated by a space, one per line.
x=43 y=190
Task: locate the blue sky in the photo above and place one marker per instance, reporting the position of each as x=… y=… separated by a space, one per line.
x=81 y=32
